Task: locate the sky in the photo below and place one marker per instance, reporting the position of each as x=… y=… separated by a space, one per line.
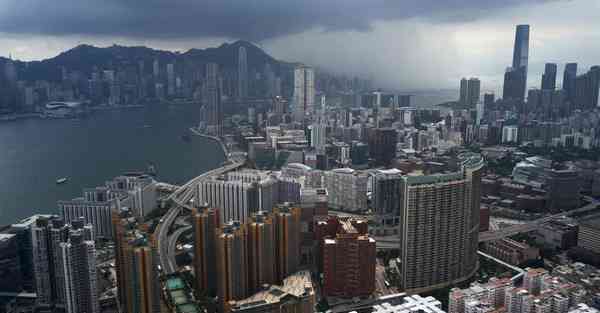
x=399 y=44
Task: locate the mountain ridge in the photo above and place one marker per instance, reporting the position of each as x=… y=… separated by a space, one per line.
x=85 y=58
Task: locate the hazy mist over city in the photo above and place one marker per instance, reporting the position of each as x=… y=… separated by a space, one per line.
x=398 y=44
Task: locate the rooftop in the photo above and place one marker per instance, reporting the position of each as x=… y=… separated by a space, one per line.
x=410 y=304
x=297 y=285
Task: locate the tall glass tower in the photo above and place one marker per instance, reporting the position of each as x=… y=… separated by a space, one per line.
x=515 y=78
x=521 y=52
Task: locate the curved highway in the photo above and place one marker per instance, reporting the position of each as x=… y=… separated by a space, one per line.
x=173 y=239
x=181 y=198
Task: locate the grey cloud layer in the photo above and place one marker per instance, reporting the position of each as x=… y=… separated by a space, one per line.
x=246 y=19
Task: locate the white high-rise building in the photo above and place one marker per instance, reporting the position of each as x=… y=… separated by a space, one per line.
x=95 y=207
x=318 y=135
x=304 y=92
x=510 y=134
x=347 y=189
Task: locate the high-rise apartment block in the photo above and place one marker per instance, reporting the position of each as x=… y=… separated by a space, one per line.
x=77 y=281
x=64 y=265
x=347 y=189
x=439 y=223
x=205 y=224
x=261 y=251
x=232 y=266
x=304 y=92
x=11 y=279
x=239 y=194
x=470 y=91
x=387 y=200
x=136 y=264
x=347 y=258
x=136 y=191
x=589 y=235
x=95 y=207
x=286 y=224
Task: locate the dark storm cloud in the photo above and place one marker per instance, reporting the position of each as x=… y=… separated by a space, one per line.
x=247 y=19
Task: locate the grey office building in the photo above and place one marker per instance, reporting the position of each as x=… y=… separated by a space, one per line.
x=569 y=78
x=549 y=77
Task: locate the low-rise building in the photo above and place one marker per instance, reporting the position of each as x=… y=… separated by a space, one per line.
x=296 y=295
x=409 y=304
x=511 y=251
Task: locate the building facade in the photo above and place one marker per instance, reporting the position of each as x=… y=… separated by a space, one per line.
x=439 y=224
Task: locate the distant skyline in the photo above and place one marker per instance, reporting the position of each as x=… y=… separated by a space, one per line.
x=408 y=45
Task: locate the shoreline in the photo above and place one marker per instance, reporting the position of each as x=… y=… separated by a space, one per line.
x=217 y=139
x=37 y=115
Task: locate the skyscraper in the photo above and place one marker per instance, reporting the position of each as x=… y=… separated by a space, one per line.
x=43 y=256
x=170 y=79
x=521 y=51
x=317 y=136
x=242 y=90
x=439 y=226
x=549 y=77
x=232 y=275
x=76 y=263
x=48 y=235
x=569 y=78
x=261 y=251
x=286 y=222
x=587 y=88
x=304 y=92
x=10 y=265
x=348 y=257
x=212 y=101
x=515 y=78
x=474 y=87
x=382 y=145
x=464 y=91
x=386 y=198
x=136 y=266
x=205 y=224
x=155 y=69
x=514 y=84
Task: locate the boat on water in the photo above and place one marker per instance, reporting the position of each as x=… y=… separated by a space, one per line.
x=61 y=180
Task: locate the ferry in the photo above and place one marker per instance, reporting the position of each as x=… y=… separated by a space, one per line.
x=61 y=180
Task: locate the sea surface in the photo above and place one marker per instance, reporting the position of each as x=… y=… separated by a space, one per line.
x=34 y=153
